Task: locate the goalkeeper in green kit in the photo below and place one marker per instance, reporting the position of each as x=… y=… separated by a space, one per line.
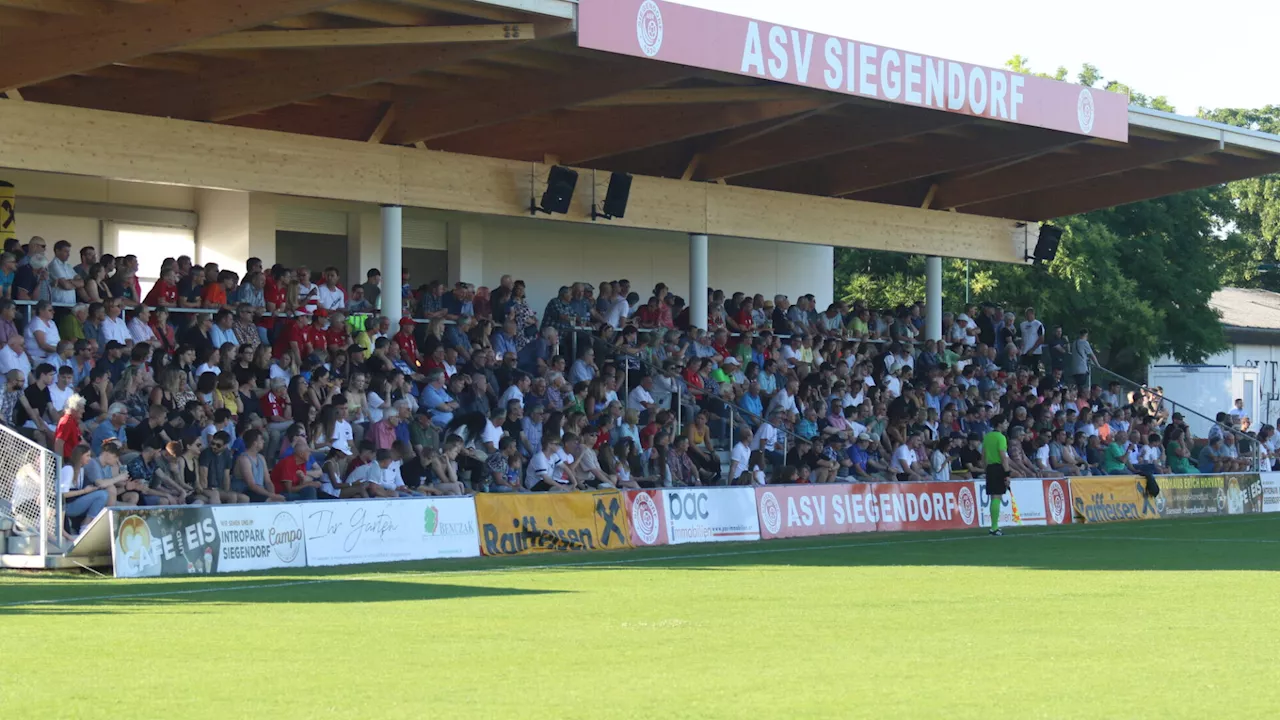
x=995 y=452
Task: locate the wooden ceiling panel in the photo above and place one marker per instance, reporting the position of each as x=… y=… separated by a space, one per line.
x=78 y=44
x=580 y=136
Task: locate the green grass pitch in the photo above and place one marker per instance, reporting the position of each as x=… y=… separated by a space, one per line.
x=1141 y=620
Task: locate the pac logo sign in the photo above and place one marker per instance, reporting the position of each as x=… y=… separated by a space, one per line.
x=687 y=506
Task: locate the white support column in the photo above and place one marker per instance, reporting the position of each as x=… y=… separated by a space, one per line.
x=392 y=243
x=933 y=298
x=698 y=281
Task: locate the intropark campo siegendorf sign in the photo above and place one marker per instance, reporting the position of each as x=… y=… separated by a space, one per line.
x=728 y=43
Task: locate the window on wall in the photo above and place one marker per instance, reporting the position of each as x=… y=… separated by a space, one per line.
x=152 y=245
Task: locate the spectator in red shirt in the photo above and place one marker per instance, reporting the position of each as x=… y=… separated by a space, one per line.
x=277 y=412
x=295 y=340
x=741 y=321
x=297 y=477
x=165 y=291
x=649 y=315
x=317 y=335
x=275 y=293
x=408 y=346
x=67 y=435
x=383 y=433
x=338 y=335
x=664 y=307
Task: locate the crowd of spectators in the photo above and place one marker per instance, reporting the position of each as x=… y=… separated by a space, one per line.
x=283 y=385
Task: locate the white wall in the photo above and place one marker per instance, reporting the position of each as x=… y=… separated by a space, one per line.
x=547 y=255
x=1266 y=358
x=76 y=230
x=88 y=189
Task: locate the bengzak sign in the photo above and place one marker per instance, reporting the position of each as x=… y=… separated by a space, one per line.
x=805 y=510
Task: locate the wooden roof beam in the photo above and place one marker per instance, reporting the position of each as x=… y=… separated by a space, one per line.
x=290 y=76
x=580 y=136
x=130 y=31
x=820 y=136
x=483 y=11
x=364 y=37
x=437 y=115
x=698 y=96
x=1124 y=188
x=1065 y=169
x=846 y=175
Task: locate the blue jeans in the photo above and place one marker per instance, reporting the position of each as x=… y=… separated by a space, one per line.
x=306 y=493
x=87 y=506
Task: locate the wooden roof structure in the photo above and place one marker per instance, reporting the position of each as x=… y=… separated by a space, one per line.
x=507 y=79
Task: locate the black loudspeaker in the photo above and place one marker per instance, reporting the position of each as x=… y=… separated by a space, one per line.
x=561 y=182
x=1047 y=245
x=615 y=200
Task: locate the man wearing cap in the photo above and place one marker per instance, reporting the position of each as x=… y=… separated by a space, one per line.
x=295 y=341
x=408 y=346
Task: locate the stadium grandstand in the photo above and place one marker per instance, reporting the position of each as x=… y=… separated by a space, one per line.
x=498 y=277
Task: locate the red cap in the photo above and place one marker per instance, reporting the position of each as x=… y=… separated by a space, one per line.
x=321 y=312
x=406 y=321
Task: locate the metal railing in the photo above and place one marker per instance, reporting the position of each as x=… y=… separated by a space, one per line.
x=1249 y=441
x=735 y=412
x=29 y=487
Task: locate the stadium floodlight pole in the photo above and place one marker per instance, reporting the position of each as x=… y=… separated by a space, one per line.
x=392 y=249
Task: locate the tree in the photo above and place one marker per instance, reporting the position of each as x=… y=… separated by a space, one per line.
x=1256 y=209
x=1139 y=276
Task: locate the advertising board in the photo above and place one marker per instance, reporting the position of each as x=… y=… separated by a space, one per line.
x=160 y=541
x=391 y=529
x=710 y=514
x=805 y=510
x=515 y=524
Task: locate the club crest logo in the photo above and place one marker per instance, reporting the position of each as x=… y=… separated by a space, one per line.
x=770 y=513
x=649 y=28
x=968 y=506
x=644 y=518
x=1085 y=111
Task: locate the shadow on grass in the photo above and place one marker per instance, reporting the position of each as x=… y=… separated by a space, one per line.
x=1248 y=543
x=89 y=597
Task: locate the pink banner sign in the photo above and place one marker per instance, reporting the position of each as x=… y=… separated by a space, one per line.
x=805 y=510
x=728 y=43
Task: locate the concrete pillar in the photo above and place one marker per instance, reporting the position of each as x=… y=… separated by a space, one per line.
x=234 y=226
x=466 y=252
x=392 y=243
x=698 y=281
x=933 y=298
x=364 y=245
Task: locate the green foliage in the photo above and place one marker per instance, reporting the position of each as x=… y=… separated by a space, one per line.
x=1138 y=276
x=1256 y=218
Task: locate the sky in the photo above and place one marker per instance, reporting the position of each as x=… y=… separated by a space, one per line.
x=1210 y=55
